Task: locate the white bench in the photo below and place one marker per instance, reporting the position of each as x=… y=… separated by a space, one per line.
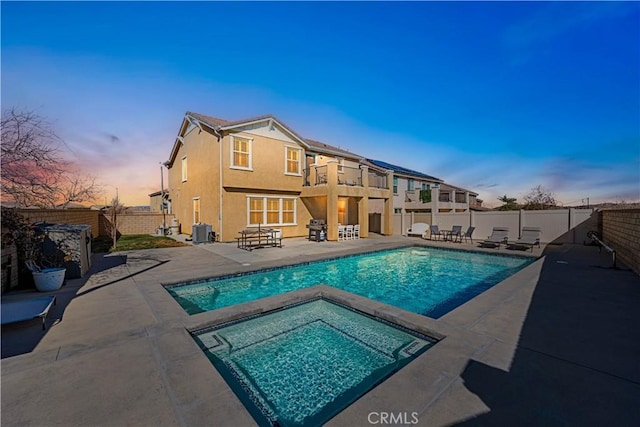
x=19 y=311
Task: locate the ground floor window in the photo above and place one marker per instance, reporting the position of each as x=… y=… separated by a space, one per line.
x=271 y=210
x=196 y=210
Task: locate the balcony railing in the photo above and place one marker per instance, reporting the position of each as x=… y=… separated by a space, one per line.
x=377 y=180
x=461 y=198
x=350 y=176
x=321 y=174
x=418 y=196
x=317 y=175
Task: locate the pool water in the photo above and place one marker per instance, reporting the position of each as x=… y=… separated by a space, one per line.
x=426 y=281
x=303 y=364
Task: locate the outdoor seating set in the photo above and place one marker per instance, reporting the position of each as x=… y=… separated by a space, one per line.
x=453 y=235
x=529 y=238
x=348 y=232
x=256 y=238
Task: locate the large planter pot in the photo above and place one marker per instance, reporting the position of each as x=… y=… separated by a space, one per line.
x=49 y=279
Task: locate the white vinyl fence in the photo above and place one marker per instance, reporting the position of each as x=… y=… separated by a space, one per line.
x=559 y=225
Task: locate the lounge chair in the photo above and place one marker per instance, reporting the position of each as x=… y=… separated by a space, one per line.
x=499 y=236
x=435 y=232
x=529 y=238
x=18 y=311
x=418 y=229
x=467 y=235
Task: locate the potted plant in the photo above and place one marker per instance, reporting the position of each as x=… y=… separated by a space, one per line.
x=48 y=272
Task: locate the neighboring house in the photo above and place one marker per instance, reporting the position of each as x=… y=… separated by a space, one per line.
x=421 y=193
x=259 y=172
x=156 y=201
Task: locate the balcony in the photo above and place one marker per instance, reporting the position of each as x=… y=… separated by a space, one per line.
x=418 y=199
x=348 y=181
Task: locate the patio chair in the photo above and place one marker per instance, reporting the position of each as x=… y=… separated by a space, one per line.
x=435 y=231
x=456 y=233
x=348 y=232
x=467 y=235
x=342 y=232
x=356 y=231
x=498 y=236
x=529 y=238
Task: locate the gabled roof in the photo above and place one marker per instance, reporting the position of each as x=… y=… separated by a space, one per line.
x=222 y=124
x=218 y=125
x=403 y=171
x=330 y=149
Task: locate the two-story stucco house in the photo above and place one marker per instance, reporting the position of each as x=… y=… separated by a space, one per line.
x=239 y=174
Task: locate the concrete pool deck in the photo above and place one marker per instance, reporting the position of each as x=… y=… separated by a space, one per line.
x=555 y=344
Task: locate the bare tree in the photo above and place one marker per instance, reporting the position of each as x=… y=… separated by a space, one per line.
x=539 y=198
x=114 y=211
x=34 y=171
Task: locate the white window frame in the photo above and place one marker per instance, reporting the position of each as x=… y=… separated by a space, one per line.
x=250 y=145
x=264 y=210
x=183 y=166
x=286 y=160
x=197 y=200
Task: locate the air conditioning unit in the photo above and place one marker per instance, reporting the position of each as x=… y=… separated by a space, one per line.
x=200 y=233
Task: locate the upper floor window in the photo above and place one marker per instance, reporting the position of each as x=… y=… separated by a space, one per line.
x=410 y=184
x=340 y=165
x=241 y=153
x=425 y=186
x=292 y=160
x=184 y=168
x=395 y=185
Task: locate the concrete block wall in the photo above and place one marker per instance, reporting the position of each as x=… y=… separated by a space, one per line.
x=621 y=231
x=64 y=216
x=137 y=223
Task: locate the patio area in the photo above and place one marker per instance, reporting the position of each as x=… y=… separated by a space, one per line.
x=554 y=344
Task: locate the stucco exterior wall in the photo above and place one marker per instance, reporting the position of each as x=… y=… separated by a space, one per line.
x=223 y=189
x=201 y=149
x=621 y=230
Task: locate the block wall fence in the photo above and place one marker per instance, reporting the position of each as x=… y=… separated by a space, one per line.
x=128 y=223
x=621 y=230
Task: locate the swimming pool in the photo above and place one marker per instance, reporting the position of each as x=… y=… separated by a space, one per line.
x=427 y=281
x=303 y=364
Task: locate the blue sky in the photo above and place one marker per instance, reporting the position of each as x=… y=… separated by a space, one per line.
x=496 y=97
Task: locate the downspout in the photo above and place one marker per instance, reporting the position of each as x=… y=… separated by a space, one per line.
x=215 y=131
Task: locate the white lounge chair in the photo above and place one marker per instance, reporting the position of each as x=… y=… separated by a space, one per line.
x=418 y=229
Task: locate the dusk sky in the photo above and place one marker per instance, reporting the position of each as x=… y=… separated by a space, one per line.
x=494 y=97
